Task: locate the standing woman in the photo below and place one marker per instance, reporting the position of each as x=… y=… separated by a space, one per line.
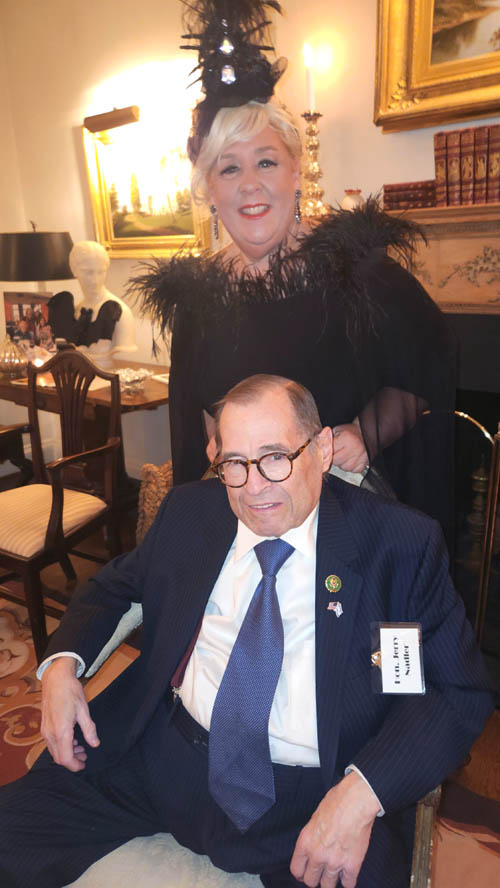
x=324 y=305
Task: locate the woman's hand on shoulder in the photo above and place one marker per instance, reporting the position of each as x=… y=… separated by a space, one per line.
x=349 y=452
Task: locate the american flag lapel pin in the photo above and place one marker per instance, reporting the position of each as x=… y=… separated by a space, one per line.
x=336 y=607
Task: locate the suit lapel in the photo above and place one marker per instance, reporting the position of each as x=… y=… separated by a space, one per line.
x=336 y=553
x=191 y=578
x=194 y=573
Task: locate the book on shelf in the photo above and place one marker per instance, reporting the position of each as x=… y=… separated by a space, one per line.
x=481 y=142
x=493 y=178
x=467 y=166
x=406 y=194
x=440 y=169
x=422 y=185
x=453 y=167
x=409 y=204
x=410 y=195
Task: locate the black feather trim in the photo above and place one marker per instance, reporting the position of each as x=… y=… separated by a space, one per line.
x=326 y=262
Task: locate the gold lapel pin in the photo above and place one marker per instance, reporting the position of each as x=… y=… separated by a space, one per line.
x=333 y=583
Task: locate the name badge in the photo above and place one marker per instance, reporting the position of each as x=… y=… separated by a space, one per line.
x=397 y=662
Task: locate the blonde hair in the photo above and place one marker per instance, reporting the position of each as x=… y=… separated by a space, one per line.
x=241 y=124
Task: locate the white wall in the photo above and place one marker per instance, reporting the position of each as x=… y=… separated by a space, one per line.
x=11 y=209
x=11 y=198
x=12 y=218
x=57 y=54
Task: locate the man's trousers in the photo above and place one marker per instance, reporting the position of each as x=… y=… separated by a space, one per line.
x=54 y=824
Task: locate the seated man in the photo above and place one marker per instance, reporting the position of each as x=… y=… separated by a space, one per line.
x=273 y=753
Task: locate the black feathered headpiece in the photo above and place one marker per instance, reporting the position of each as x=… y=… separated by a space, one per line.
x=232 y=67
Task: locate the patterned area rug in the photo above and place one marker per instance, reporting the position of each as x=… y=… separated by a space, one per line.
x=20 y=695
x=20 y=740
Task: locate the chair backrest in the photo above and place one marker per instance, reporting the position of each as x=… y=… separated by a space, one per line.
x=489 y=538
x=471 y=451
x=471 y=456
x=72 y=374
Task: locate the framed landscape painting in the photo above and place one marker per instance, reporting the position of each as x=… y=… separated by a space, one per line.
x=437 y=62
x=140 y=194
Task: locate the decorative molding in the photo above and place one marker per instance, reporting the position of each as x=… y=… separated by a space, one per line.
x=402 y=99
x=459 y=261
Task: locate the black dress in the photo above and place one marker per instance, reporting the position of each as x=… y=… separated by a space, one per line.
x=339 y=316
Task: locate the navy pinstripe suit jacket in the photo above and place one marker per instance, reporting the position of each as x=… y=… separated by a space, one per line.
x=393 y=565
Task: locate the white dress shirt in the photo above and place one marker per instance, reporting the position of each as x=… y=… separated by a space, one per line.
x=293 y=735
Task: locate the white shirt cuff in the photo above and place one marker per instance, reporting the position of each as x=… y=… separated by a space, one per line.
x=80 y=669
x=348 y=770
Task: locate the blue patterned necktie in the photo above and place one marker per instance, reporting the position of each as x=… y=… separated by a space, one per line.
x=240 y=773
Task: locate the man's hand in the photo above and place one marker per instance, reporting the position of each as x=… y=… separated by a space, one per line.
x=63 y=706
x=333 y=844
x=349 y=452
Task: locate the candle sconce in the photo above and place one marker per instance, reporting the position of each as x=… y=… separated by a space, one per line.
x=312 y=204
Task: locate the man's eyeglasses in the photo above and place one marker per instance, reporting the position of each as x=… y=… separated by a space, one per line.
x=272 y=466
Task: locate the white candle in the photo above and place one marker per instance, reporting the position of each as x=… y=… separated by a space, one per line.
x=310 y=89
x=308 y=61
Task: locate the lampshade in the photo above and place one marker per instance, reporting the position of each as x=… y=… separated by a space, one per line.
x=35 y=256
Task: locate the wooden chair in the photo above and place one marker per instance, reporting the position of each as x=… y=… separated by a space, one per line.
x=70 y=497
x=472 y=455
x=489 y=538
x=424 y=838
x=11 y=449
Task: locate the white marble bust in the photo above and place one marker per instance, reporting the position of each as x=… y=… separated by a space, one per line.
x=89 y=262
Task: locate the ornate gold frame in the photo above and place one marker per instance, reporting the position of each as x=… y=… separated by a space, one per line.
x=409 y=91
x=131 y=247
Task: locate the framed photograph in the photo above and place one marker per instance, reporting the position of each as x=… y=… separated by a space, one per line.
x=140 y=194
x=437 y=62
x=27 y=319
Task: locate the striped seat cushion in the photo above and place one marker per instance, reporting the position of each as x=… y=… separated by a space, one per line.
x=25 y=511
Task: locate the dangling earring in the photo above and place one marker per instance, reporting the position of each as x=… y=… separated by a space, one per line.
x=298 y=214
x=213 y=210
